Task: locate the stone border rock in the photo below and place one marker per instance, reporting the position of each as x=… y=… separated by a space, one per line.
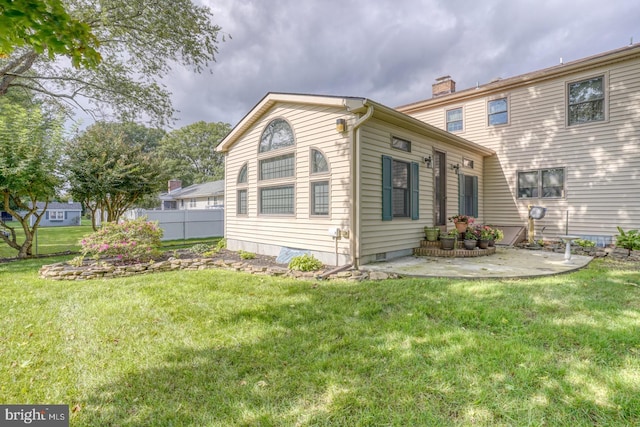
x=104 y=270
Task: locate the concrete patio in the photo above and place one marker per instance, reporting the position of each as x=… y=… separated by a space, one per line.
x=508 y=262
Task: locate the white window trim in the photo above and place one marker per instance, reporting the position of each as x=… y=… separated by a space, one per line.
x=496 y=98
x=56 y=215
x=459 y=107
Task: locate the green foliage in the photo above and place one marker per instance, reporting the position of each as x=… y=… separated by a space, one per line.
x=200 y=249
x=584 y=243
x=110 y=166
x=305 y=262
x=135 y=240
x=246 y=255
x=139 y=42
x=188 y=153
x=222 y=244
x=471 y=234
x=628 y=239
x=453 y=233
x=46 y=27
x=76 y=261
x=30 y=138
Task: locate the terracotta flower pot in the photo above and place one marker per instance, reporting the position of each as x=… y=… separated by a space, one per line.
x=461 y=226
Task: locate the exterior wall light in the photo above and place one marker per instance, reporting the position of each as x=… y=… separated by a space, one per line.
x=427 y=162
x=456 y=168
x=341 y=125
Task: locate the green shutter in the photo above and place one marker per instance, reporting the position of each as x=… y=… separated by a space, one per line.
x=461 y=194
x=415 y=191
x=475 y=196
x=387 y=189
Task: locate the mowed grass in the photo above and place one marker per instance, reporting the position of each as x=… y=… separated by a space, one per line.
x=218 y=348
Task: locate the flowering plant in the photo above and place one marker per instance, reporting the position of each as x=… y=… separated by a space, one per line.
x=462 y=218
x=486 y=232
x=471 y=234
x=135 y=240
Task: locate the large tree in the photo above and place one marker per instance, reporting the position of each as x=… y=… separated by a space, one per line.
x=189 y=152
x=46 y=27
x=30 y=139
x=110 y=167
x=138 y=40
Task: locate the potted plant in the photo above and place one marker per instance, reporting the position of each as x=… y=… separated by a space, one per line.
x=470 y=238
x=431 y=233
x=486 y=234
x=497 y=236
x=462 y=222
x=449 y=240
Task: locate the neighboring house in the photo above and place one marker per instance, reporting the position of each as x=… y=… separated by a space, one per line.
x=566 y=137
x=59 y=214
x=301 y=170
x=209 y=195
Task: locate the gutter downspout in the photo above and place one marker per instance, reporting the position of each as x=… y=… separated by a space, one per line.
x=355 y=186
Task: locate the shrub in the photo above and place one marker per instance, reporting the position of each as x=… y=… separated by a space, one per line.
x=200 y=249
x=305 y=263
x=222 y=244
x=629 y=240
x=246 y=255
x=584 y=243
x=133 y=240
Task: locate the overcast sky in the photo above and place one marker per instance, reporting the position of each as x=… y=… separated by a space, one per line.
x=389 y=51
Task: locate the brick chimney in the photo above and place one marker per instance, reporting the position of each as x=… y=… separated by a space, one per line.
x=174 y=184
x=443 y=86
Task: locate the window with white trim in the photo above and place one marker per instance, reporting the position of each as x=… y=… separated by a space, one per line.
x=498 y=113
x=56 y=215
x=454 y=120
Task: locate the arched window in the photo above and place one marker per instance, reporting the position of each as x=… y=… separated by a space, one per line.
x=242 y=175
x=319 y=163
x=278 y=134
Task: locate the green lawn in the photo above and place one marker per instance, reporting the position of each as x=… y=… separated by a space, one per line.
x=216 y=348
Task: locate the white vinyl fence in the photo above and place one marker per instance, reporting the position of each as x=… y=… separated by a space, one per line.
x=184 y=224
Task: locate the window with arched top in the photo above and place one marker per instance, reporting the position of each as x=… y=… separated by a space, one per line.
x=242 y=175
x=319 y=162
x=278 y=134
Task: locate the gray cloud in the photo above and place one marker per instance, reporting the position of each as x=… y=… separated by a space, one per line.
x=389 y=51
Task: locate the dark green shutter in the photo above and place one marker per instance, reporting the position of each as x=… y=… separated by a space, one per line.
x=461 y=194
x=387 y=189
x=475 y=196
x=415 y=192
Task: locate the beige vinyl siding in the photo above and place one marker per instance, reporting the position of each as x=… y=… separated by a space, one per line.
x=313 y=127
x=401 y=234
x=601 y=159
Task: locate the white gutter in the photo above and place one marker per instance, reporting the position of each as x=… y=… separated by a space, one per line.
x=355 y=185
